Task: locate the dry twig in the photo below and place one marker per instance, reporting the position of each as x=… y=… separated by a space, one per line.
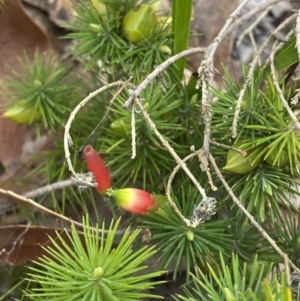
x=31 y=203
x=249 y=77
x=67 y=137
x=205 y=73
x=137 y=91
x=178 y=160
x=169 y=187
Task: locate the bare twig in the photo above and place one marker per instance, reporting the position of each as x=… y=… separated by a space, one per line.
x=254 y=45
x=251 y=27
x=287 y=271
x=243 y=153
x=205 y=72
x=249 y=77
x=33 y=204
x=169 y=187
x=8 y=206
x=67 y=137
x=205 y=167
x=191 y=222
x=137 y=91
x=222 y=34
x=166 y=144
x=250 y=14
x=249 y=216
x=48 y=188
x=133 y=134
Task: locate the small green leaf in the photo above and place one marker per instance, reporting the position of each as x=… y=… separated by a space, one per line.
x=181 y=14
x=285 y=57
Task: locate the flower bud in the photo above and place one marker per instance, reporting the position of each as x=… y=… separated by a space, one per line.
x=98 y=272
x=133 y=200
x=165 y=49
x=229 y=295
x=99 y=7
x=22 y=114
x=147 y=107
x=268 y=188
x=37 y=84
x=95 y=28
x=274 y=160
x=120 y=127
x=239 y=164
x=244 y=105
x=96 y=165
x=138 y=23
x=165 y=22
x=190 y=235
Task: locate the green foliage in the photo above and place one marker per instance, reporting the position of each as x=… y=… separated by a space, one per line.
x=266 y=129
x=11 y=280
x=262 y=190
x=105 y=267
x=97 y=267
x=179 y=244
x=285 y=57
x=247 y=240
x=43 y=87
x=280 y=134
x=287 y=236
x=101 y=38
x=231 y=282
x=152 y=162
x=252 y=111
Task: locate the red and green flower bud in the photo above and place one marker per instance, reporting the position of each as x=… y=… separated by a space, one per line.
x=96 y=165
x=133 y=200
x=138 y=23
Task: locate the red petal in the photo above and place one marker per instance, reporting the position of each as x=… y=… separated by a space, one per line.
x=96 y=165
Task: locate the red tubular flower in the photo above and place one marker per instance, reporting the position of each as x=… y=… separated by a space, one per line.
x=96 y=165
x=133 y=200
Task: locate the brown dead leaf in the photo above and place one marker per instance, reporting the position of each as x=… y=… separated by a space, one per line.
x=18 y=34
x=22 y=243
